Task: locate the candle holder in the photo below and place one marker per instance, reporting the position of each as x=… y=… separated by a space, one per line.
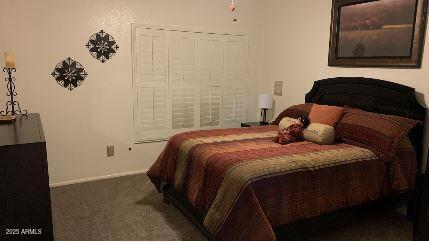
x=12 y=106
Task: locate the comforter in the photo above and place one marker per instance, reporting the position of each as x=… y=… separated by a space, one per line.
x=246 y=185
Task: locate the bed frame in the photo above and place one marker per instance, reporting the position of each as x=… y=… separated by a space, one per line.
x=365 y=93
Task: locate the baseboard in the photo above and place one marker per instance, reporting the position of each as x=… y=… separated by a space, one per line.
x=59 y=184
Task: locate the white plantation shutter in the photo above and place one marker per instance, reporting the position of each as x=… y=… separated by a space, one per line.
x=210 y=103
x=152 y=94
x=210 y=74
x=152 y=54
x=233 y=105
x=182 y=60
x=183 y=113
x=182 y=76
x=235 y=69
x=185 y=81
x=210 y=59
x=235 y=60
x=153 y=107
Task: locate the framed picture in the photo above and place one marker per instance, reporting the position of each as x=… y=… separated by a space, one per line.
x=377 y=33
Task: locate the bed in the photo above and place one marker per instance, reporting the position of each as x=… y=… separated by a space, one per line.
x=237 y=184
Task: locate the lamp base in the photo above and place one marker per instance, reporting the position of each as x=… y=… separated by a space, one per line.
x=264 y=119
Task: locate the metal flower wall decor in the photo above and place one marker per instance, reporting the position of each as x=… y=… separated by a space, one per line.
x=69 y=74
x=102 y=46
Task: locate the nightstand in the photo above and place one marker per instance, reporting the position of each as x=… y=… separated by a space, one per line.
x=252 y=124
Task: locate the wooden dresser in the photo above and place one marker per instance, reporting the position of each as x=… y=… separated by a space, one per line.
x=25 y=203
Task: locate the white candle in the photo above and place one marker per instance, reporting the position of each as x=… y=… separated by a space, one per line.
x=9 y=60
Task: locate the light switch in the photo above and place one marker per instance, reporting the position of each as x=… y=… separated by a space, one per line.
x=278 y=88
x=110 y=150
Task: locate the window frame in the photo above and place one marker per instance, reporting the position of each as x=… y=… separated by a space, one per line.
x=138 y=139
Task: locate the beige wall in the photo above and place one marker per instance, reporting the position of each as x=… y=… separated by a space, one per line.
x=289 y=43
x=292 y=43
x=79 y=124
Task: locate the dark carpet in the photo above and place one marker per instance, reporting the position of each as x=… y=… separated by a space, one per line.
x=129 y=208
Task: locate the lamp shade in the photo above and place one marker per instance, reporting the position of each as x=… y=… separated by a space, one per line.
x=266 y=101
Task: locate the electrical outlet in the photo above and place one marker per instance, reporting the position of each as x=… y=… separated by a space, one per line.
x=110 y=150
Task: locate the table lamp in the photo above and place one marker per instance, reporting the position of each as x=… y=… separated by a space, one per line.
x=265 y=103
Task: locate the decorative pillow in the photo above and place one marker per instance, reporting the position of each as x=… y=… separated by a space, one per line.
x=319 y=133
x=291 y=134
x=377 y=132
x=293 y=112
x=286 y=122
x=324 y=114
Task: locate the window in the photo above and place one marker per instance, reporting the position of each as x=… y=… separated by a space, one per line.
x=185 y=81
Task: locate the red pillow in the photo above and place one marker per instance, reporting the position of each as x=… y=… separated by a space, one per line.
x=294 y=111
x=324 y=114
x=378 y=132
x=291 y=134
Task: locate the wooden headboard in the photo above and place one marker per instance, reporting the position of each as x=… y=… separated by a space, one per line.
x=372 y=95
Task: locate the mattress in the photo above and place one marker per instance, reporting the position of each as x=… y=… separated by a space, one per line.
x=245 y=184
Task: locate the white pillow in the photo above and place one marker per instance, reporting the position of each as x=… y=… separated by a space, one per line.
x=286 y=122
x=319 y=133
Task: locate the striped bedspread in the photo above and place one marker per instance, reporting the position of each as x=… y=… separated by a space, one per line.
x=246 y=184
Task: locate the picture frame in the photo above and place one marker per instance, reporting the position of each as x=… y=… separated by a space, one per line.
x=377 y=33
